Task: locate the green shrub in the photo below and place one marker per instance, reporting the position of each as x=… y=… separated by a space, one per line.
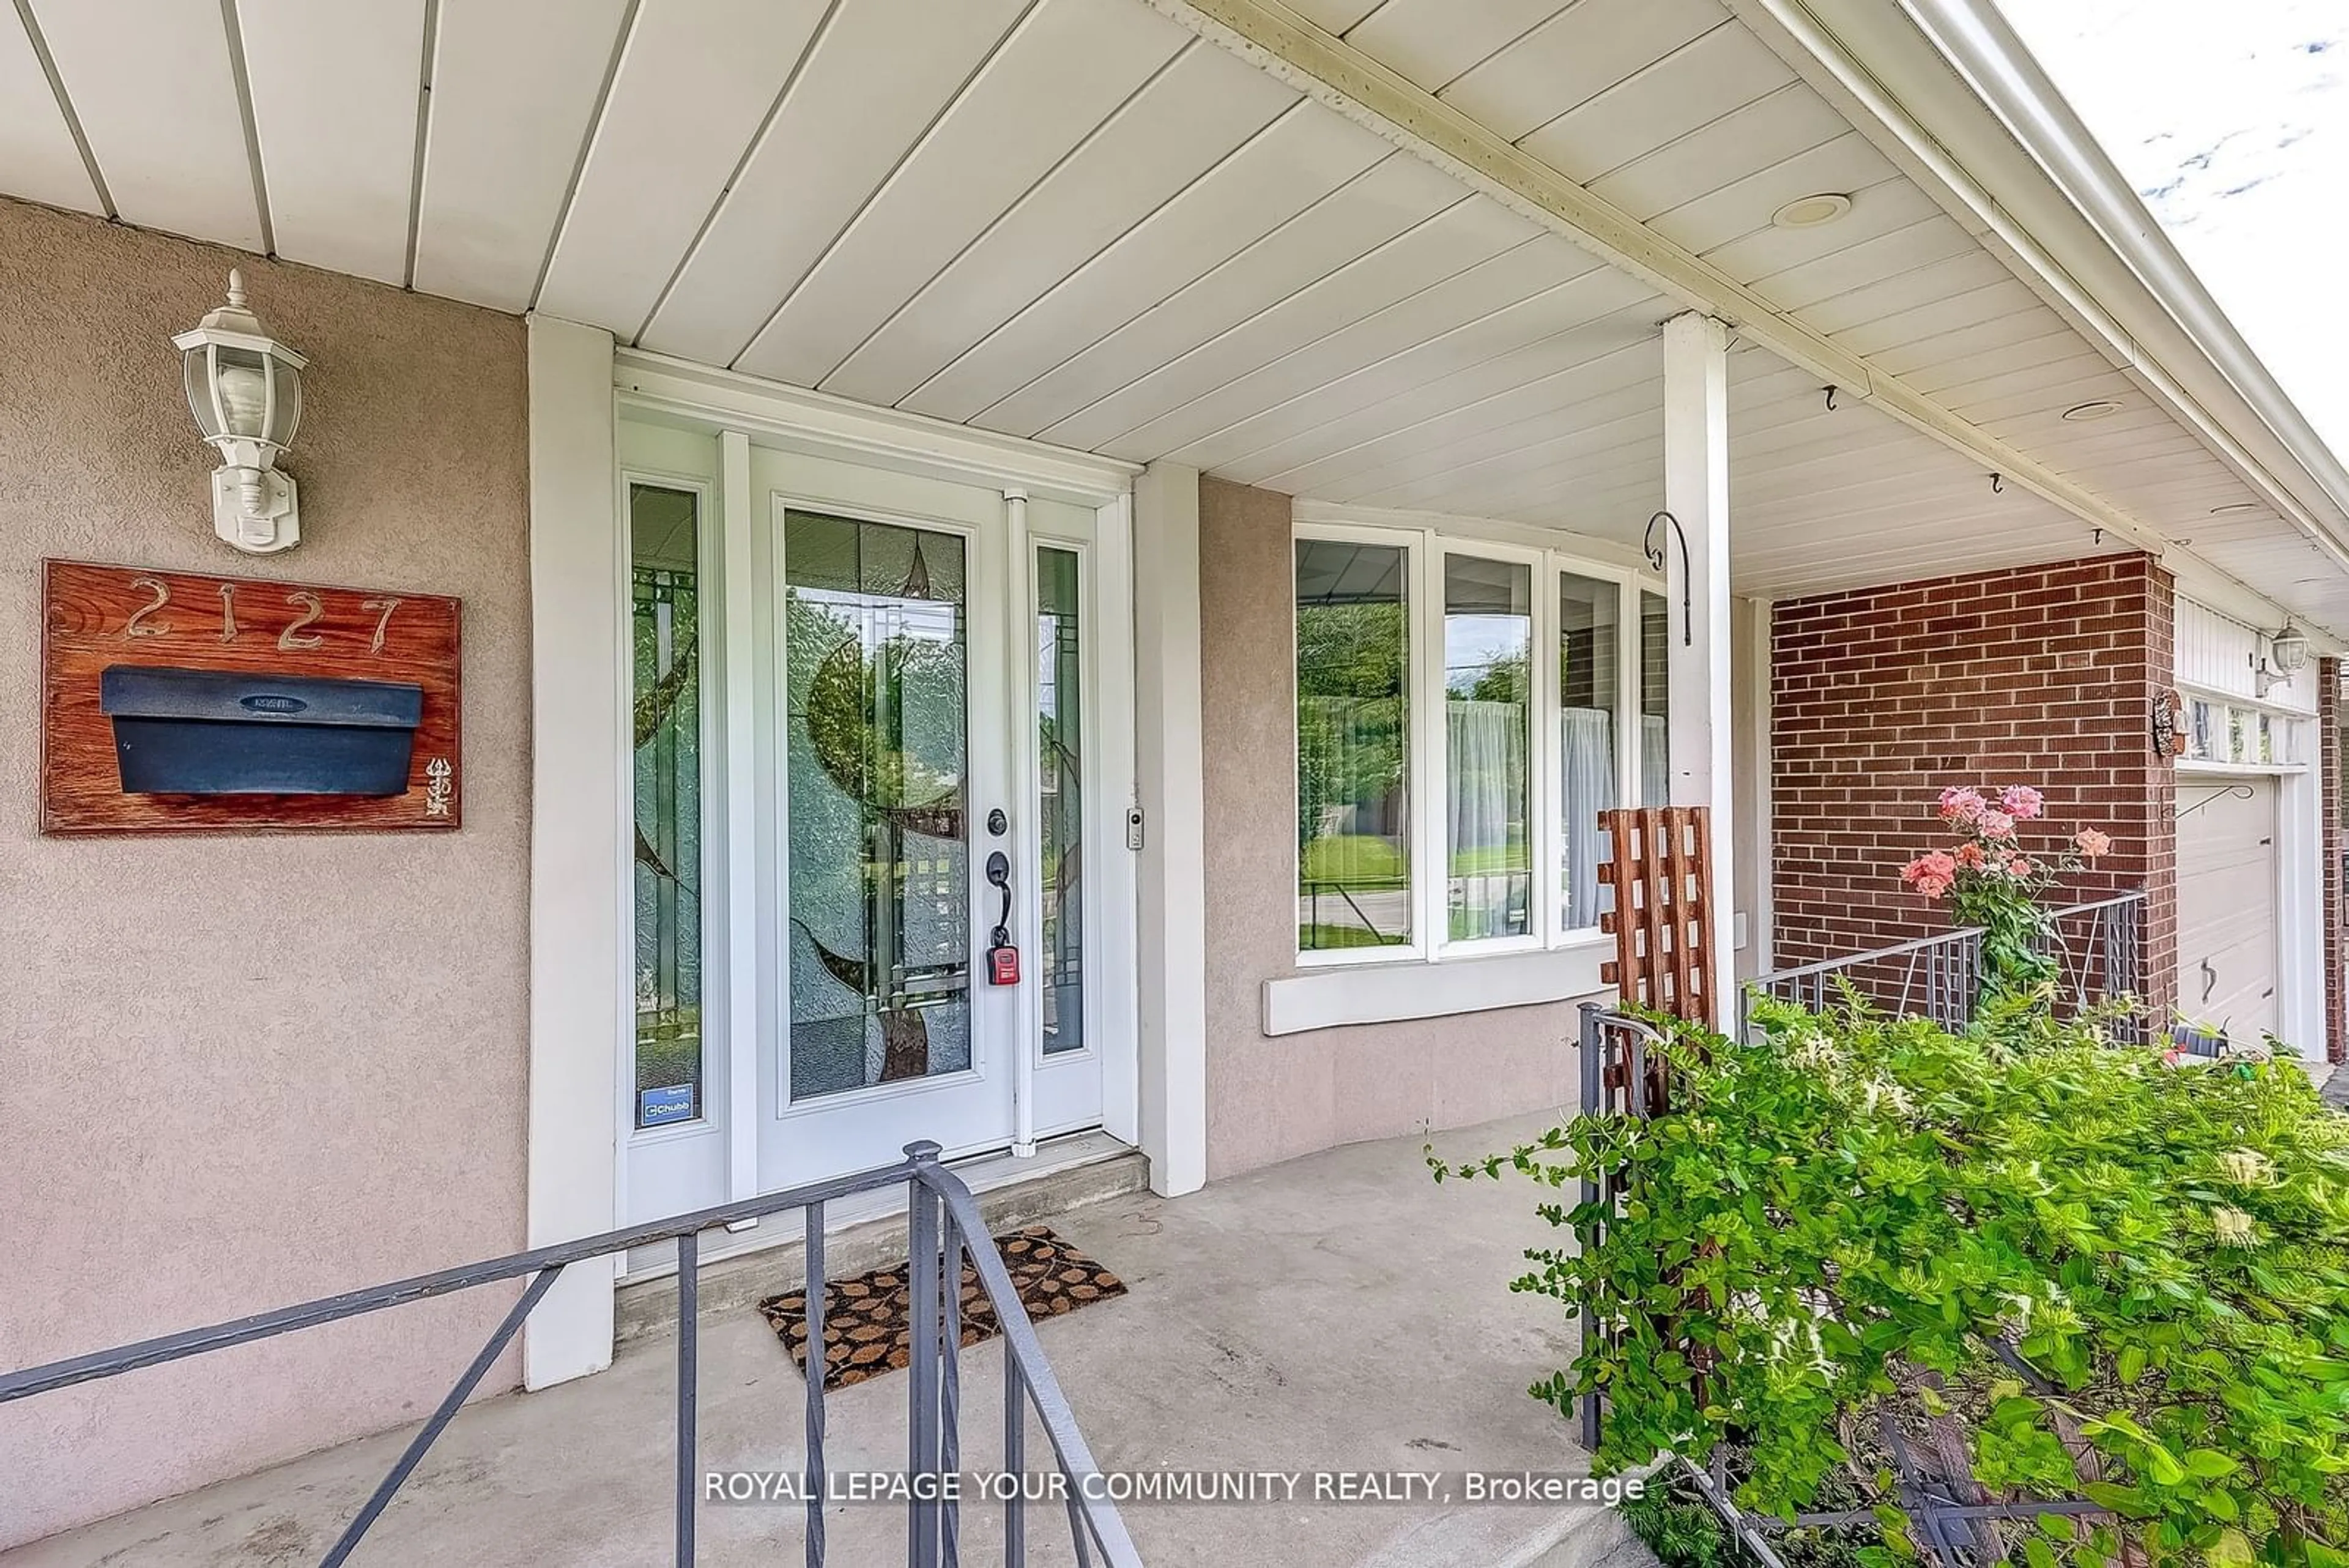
x=1673 y=1521
x=1855 y=1213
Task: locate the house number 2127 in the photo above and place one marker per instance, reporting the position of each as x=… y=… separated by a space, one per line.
x=292 y=638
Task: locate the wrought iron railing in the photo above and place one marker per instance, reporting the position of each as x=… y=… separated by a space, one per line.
x=943 y=1225
x=2099 y=953
x=1933 y=977
x=2096 y=947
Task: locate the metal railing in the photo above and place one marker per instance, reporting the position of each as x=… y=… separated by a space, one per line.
x=2096 y=947
x=1931 y=977
x=2099 y=953
x=943 y=1226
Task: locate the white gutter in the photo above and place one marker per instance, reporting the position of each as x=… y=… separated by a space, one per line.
x=1946 y=91
x=1978 y=40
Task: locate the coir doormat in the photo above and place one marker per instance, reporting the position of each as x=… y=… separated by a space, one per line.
x=867 y=1326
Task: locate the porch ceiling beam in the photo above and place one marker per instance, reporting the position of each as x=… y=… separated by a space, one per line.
x=1334 y=73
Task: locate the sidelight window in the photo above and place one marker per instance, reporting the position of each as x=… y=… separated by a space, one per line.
x=665 y=630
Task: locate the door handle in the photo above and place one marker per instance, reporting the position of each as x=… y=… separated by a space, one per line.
x=998 y=872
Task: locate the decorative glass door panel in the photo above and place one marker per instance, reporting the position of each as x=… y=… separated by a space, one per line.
x=1061 y=819
x=915 y=646
x=878 y=842
x=664 y=636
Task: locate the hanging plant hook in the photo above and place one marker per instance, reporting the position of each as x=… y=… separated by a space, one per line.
x=1830 y=392
x=1998 y=484
x=1654 y=547
x=2222 y=792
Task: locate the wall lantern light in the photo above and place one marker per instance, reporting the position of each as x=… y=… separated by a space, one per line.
x=2287 y=655
x=245 y=389
x=2289 y=649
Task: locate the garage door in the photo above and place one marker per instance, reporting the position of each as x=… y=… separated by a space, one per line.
x=2226 y=906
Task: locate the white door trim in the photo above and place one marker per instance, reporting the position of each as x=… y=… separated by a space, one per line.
x=2299 y=891
x=579 y=385
x=823 y=425
x=579 y=848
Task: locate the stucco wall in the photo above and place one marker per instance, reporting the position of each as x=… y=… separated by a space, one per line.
x=1271 y=1099
x=236 y=1072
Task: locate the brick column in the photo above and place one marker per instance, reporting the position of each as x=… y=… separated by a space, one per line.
x=2159 y=873
x=2328 y=741
x=2044 y=675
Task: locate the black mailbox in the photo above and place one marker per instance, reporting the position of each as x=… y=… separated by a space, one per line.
x=206 y=732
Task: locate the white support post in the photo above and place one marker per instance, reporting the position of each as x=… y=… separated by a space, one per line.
x=736 y=859
x=1170 y=764
x=579 y=856
x=1026 y=821
x=1696 y=492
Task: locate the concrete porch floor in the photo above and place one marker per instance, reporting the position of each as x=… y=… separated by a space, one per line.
x=1339 y=1311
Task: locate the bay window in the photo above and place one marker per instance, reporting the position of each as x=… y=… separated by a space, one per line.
x=1488 y=655
x=1353 y=745
x=1465 y=709
x=1591 y=698
x=1655 y=701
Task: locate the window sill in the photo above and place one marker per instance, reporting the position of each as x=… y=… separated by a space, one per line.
x=1333 y=996
x=2197 y=767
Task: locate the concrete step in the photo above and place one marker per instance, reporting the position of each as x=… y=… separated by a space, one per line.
x=1064 y=1175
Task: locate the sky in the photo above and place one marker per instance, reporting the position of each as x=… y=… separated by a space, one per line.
x=2231 y=119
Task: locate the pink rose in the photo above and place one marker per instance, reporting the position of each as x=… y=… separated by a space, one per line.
x=1996 y=824
x=2091 y=844
x=1961 y=804
x=1970 y=855
x=1930 y=873
x=2022 y=802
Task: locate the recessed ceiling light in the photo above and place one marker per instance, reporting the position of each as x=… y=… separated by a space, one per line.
x=1811 y=211
x=2102 y=409
x=2234 y=506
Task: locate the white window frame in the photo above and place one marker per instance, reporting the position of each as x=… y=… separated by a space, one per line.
x=2293 y=732
x=710 y=1114
x=1426 y=548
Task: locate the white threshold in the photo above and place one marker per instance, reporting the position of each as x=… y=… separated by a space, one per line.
x=982 y=1173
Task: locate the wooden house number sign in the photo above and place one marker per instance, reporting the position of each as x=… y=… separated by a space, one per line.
x=177 y=702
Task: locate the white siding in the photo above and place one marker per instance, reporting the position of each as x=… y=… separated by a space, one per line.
x=2220 y=654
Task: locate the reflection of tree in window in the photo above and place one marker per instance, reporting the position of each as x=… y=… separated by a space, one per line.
x=1589 y=668
x=876 y=804
x=1352 y=746
x=1489 y=712
x=665 y=639
x=1059 y=745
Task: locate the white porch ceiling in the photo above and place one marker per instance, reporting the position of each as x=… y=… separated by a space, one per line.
x=1073 y=220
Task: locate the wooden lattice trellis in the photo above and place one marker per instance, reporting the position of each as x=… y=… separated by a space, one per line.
x=1660 y=866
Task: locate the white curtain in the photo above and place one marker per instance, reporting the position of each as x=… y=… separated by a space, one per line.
x=1655 y=760
x=1586 y=778
x=1487 y=745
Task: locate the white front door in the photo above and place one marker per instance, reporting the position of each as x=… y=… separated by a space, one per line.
x=920 y=694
